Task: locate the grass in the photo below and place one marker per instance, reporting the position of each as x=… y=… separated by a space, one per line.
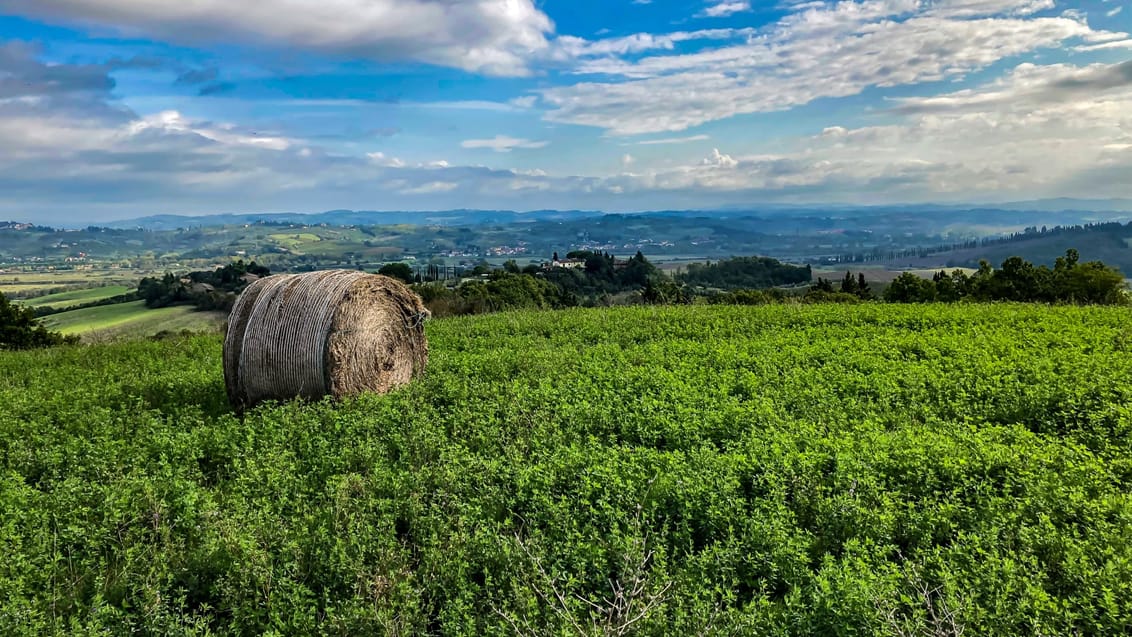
x=293 y=241
x=76 y=297
x=125 y=320
x=10 y=289
x=775 y=470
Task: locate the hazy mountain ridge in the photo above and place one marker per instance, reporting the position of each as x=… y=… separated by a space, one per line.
x=1064 y=211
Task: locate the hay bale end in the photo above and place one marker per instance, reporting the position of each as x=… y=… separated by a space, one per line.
x=332 y=332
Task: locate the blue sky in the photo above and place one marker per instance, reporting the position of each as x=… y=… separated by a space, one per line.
x=120 y=108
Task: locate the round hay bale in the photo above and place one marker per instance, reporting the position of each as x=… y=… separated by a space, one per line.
x=334 y=332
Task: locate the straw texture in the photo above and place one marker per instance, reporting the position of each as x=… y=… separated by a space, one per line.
x=333 y=332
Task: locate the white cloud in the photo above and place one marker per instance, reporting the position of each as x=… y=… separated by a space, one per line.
x=1056 y=130
x=569 y=48
x=725 y=8
x=431 y=187
x=822 y=50
x=380 y=159
x=467 y=105
x=1030 y=86
x=1041 y=130
x=174 y=122
x=718 y=159
x=673 y=140
x=1112 y=13
x=502 y=143
x=490 y=36
x=1115 y=44
x=969 y=8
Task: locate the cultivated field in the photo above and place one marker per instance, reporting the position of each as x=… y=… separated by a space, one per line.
x=776 y=470
x=72 y=298
x=133 y=319
x=17 y=284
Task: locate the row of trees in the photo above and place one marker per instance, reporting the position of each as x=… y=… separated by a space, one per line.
x=638 y=281
x=1069 y=281
x=602 y=282
x=745 y=273
x=1080 y=233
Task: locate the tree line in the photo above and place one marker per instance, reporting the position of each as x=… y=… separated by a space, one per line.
x=1016 y=280
x=602 y=280
x=206 y=290
x=1069 y=281
x=1112 y=228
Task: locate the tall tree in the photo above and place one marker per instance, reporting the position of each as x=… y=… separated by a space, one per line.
x=18 y=329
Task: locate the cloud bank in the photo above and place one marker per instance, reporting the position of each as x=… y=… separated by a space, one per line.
x=489 y=36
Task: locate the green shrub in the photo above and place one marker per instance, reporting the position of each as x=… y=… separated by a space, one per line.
x=18 y=329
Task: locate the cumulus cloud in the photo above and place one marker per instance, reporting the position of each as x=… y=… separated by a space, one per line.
x=490 y=36
x=725 y=8
x=819 y=50
x=719 y=159
x=502 y=143
x=70 y=149
x=1041 y=130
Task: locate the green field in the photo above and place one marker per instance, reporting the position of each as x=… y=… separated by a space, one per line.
x=773 y=470
x=133 y=319
x=76 y=297
x=25 y=284
x=293 y=241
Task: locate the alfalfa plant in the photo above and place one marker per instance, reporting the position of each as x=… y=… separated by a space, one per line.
x=633 y=595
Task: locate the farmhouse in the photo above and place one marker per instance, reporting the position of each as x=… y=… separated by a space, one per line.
x=565 y=263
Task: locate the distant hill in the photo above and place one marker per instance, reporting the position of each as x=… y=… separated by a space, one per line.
x=353 y=218
x=1109 y=243
x=1060 y=204
x=991 y=218
x=1063 y=203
